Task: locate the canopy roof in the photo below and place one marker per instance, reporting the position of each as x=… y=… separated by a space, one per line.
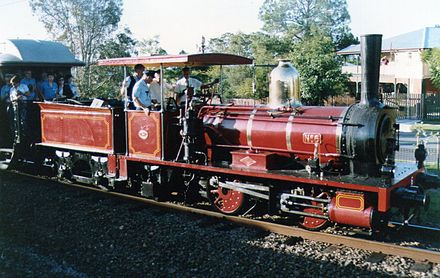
x=425 y=38
x=192 y=60
x=36 y=53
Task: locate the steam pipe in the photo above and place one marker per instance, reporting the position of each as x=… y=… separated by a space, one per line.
x=371 y=47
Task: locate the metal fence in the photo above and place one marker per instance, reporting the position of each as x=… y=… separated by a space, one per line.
x=406 y=152
x=414 y=106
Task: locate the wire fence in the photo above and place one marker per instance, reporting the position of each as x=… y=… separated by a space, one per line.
x=407 y=155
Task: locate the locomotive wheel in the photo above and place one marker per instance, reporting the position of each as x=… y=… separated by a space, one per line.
x=313 y=223
x=228 y=201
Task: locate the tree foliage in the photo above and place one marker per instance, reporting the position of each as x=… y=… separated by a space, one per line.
x=150 y=46
x=432 y=58
x=106 y=81
x=319 y=67
x=83 y=25
x=295 y=19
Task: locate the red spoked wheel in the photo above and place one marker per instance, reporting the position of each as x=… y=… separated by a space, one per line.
x=315 y=223
x=228 y=201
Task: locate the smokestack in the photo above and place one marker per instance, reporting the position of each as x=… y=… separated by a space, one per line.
x=371 y=47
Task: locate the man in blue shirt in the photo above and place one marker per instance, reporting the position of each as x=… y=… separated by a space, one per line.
x=141 y=92
x=30 y=82
x=49 y=88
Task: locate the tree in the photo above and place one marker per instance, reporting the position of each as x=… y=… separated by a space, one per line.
x=150 y=46
x=319 y=67
x=106 y=81
x=432 y=58
x=296 y=18
x=83 y=25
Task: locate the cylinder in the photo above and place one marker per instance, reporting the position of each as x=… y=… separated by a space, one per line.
x=284 y=85
x=371 y=47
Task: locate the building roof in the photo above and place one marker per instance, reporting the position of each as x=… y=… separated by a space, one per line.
x=428 y=37
x=36 y=53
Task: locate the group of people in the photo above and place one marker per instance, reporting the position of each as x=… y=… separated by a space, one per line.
x=46 y=88
x=142 y=90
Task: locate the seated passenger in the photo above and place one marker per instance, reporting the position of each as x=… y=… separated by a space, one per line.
x=29 y=81
x=141 y=94
x=49 y=88
x=60 y=83
x=70 y=89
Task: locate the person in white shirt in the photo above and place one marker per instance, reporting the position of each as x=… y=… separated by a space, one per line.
x=18 y=91
x=128 y=84
x=141 y=92
x=187 y=86
x=155 y=88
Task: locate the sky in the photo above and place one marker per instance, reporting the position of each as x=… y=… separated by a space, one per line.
x=180 y=25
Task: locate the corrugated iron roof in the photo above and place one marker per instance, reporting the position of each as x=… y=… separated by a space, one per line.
x=428 y=37
x=36 y=52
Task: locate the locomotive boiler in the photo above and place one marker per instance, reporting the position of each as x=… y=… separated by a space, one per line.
x=359 y=139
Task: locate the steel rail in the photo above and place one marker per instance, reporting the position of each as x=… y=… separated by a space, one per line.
x=416 y=254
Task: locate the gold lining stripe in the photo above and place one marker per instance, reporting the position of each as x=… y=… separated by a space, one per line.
x=289 y=126
x=249 y=128
x=352 y=197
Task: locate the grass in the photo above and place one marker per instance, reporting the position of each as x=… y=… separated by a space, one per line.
x=432 y=214
x=433 y=126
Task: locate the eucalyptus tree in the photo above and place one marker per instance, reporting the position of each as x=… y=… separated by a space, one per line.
x=83 y=25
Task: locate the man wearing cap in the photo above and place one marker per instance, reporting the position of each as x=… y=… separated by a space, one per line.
x=187 y=86
x=128 y=84
x=141 y=93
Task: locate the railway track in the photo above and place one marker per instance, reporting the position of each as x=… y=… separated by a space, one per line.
x=379 y=249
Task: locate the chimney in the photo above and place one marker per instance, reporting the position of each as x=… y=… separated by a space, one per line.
x=371 y=47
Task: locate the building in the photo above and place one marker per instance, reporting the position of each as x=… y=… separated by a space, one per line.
x=404 y=77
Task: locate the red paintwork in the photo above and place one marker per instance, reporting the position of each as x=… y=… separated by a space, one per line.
x=192 y=60
x=313 y=223
x=227 y=201
x=268 y=130
x=112 y=165
x=252 y=160
x=144 y=134
x=76 y=127
x=355 y=216
x=123 y=169
x=383 y=192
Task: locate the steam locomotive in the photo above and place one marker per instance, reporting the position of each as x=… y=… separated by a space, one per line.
x=320 y=165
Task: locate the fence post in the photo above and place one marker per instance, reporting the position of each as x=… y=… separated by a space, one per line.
x=438 y=152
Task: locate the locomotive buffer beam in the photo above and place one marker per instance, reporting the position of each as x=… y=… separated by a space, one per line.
x=246 y=188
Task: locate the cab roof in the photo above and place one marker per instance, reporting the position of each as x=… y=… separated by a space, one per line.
x=36 y=53
x=192 y=60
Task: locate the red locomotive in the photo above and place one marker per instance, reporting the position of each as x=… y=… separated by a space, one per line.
x=322 y=164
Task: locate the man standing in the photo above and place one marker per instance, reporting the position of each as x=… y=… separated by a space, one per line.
x=141 y=94
x=29 y=81
x=187 y=86
x=128 y=84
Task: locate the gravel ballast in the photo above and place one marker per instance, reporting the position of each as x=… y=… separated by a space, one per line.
x=51 y=230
